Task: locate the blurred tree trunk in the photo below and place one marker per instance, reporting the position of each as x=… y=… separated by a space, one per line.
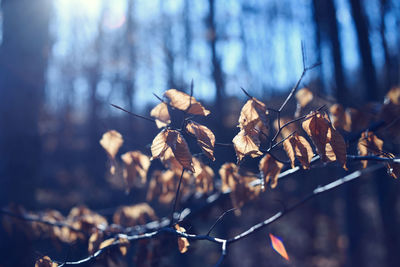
x=217 y=72
x=367 y=64
x=23 y=62
x=130 y=43
x=318 y=17
x=327 y=29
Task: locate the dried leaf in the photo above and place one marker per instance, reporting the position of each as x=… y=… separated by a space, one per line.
x=106 y=243
x=183 y=101
x=205 y=137
x=240 y=186
x=328 y=141
x=270 y=169
x=303 y=97
x=162 y=185
x=393 y=96
x=160 y=112
x=128 y=216
x=45 y=262
x=183 y=243
x=341 y=118
x=111 y=142
x=288 y=129
x=297 y=146
x=136 y=166
x=172 y=139
x=369 y=143
x=95 y=240
x=246 y=145
x=393 y=168
x=204 y=177
x=278 y=246
x=252 y=113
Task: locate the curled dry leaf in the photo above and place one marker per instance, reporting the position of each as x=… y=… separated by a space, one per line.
x=393 y=96
x=204 y=177
x=246 y=144
x=341 y=118
x=45 y=262
x=183 y=243
x=160 y=112
x=240 y=186
x=303 y=97
x=85 y=219
x=254 y=112
x=270 y=169
x=136 y=166
x=205 y=137
x=128 y=216
x=111 y=142
x=288 y=129
x=297 y=146
x=369 y=143
x=183 y=101
x=328 y=141
x=174 y=140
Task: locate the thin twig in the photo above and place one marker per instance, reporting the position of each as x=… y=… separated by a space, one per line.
x=133 y=114
x=218 y=220
x=176 y=197
x=246 y=93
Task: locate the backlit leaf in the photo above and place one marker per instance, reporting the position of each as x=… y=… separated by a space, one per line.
x=278 y=246
x=128 y=216
x=341 y=118
x=136 y=166
x=183 y=243
x=246 y=144
x=205 y=137
x=160 y=112
x=303 y=97
x=204 y=176
x=253 y=112
x=297 y=146
x=369 y=143
x=45 y=262
x=270 y=169
x=328 y=141
x=172 y=139
x=183 y=101
x=111 y=142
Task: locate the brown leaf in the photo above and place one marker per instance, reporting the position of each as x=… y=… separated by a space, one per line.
x=204 y=177
x=328 y=141
x=303 y=97
x=205 y=137
x=246 y=144
x=393 y=96
x=111 y=142
x=270 y=169
x=95 y=240
x=341 y=118
x=136 y=166
x=160 y=112
x=45 y=262
x=297 y=146
x=183 y=243
x=164 y=184
x=128 y=216
x=242 y=191
x=252 y=113
x=182 y=101
x=172 y=139
x=369 y=143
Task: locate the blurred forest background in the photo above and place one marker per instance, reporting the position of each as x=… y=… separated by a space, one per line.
x=62 y=62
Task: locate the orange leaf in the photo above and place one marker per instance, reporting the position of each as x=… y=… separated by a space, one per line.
x=270 y=169
x=183 y=243
x=341 y=118
x=160 y=112
x=183 y=101
x=204 y=177
x=303 y=97
x=328 y=141
x=393 y=96
x=278 y=246
x=111 y=142
x=205 y=137
x=45 y=262
x=246 y=144
x=136 y=166
x=172 y=139
x=253 y=112
x=298 y=146
x=138 y=214
x=369 y=143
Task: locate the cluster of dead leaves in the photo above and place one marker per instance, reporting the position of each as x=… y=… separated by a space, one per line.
x=253 y=124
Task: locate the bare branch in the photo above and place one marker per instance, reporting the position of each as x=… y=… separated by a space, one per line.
x=176 y=198
x=133 y=114
x=218 y=220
